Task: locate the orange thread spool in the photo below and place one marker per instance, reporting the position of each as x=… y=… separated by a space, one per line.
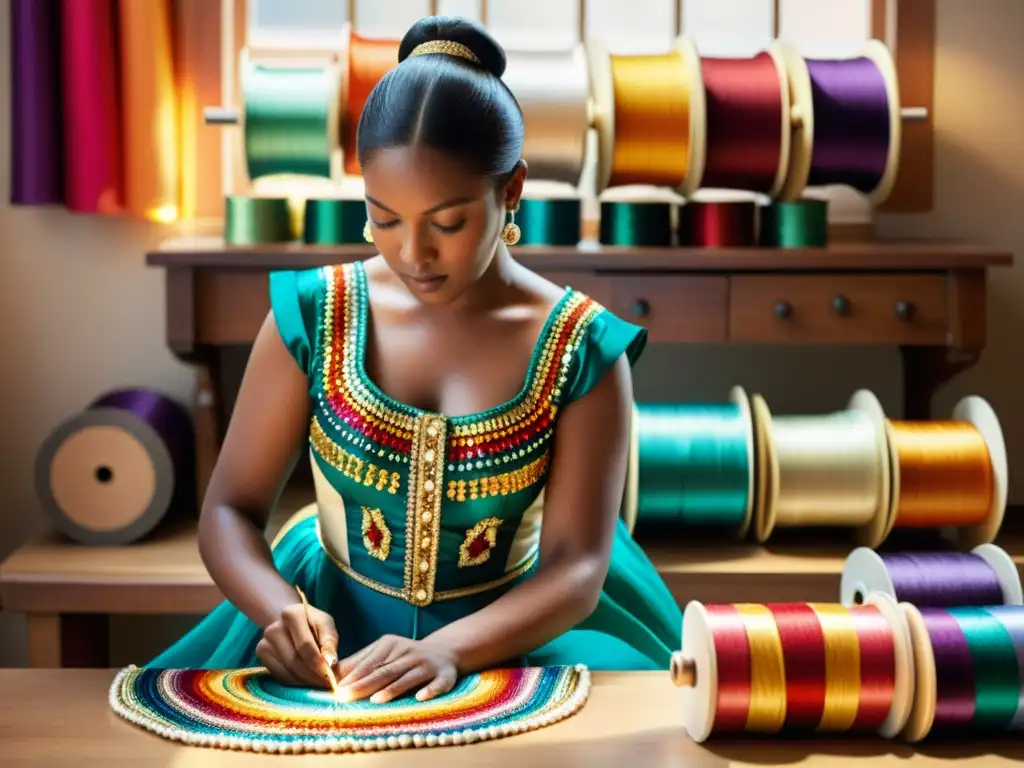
x=946 y=476
x=368 y=61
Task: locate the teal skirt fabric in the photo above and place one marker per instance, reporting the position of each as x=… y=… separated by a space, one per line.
x=636 y=624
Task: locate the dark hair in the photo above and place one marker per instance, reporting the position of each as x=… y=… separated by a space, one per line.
x=447 y=102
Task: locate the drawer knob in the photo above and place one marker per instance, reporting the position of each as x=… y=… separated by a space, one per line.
x=841 y=306
x=783 y=309
x=904 y=310
x=641 y=308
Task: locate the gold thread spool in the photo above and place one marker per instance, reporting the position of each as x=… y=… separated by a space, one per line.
x=827 y=470
x=649 y=112
x=695 y=668
x=950 y=475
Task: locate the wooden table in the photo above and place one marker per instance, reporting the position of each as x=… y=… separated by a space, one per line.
x=63 y=718
x=927 y=298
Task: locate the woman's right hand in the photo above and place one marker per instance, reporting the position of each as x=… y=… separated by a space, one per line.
x=289 y=648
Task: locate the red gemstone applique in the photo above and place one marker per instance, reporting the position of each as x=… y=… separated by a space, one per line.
x=479 y=541
x=376 y=534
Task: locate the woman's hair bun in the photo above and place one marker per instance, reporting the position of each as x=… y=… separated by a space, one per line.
x=458 y=30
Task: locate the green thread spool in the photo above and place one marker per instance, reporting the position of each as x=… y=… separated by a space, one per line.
x=996 y=672
x=636 y=224
x=798 y=224
x=333 y=222
x=695 y=464
x=549 y=222
x=291 y=119
x=256 y=220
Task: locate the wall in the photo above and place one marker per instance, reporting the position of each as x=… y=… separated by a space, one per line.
x=80 y=311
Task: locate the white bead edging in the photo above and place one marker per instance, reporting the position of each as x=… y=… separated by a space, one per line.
x=324 y=745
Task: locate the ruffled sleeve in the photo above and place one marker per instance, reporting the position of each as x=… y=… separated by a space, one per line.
x=604 y=340
x=295 y=298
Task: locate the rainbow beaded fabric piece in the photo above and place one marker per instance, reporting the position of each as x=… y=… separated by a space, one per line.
x=246 y=709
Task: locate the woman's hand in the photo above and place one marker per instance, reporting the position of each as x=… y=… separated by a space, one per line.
x=392 y=666
x=289 y=648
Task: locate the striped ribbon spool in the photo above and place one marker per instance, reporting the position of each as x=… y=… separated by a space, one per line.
x=794 y=669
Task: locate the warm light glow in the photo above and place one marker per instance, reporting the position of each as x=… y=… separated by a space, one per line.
x=164 y=214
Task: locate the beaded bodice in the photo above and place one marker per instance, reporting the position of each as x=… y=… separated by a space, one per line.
x=415 y=504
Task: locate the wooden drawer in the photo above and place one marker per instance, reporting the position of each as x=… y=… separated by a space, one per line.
x=674 y=308
x=840 y=309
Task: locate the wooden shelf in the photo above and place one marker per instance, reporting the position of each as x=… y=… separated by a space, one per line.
x=164 y=574
x=872 y=256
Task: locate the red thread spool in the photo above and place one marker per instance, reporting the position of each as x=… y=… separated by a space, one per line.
x=718 y=223
x=748 y=123
x=368 y=61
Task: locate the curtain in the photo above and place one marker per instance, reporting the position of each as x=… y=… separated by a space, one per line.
x=95 y=107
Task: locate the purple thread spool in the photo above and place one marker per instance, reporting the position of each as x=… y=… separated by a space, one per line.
x=110 y=474
x=985 y=576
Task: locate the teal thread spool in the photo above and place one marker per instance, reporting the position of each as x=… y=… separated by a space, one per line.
x=291 y=119
x=256 y=220
x=549 y=221
x=636 y=224
x=695 y=464
x=333 y=222
x=797 y=224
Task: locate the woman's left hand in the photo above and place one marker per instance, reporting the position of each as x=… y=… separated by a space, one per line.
x=392 y=666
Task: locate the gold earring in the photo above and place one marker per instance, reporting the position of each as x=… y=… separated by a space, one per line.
x=511 y=233
x=367 y=232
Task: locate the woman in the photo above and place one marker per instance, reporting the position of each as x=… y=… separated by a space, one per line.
x=450 y=399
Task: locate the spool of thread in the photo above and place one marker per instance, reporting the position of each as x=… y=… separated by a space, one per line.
x=950 y=475
x=553 y=90
x=695 y=464
x=718 y=223
x=290 y=118
x=847 y=122
x=797 y=224
x=969 y=664
x=636 y=223
x=554 y=221
x=256 y=220
x=110 y=474
x=332 y=221
x=794 y=668
x=984 y=576
x=650 y=118
x=824 y=470
x=748 y=129
x=368 y=61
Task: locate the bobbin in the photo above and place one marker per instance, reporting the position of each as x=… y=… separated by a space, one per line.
x=864 y=401
x=778 y=55
x=603 y=112
x=802 y=120
x=694 y=669
x=865 y=572
x=335 y=99
x=976 y=411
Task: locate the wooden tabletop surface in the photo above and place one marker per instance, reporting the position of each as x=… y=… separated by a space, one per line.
x=904 y=255
x=62 y=717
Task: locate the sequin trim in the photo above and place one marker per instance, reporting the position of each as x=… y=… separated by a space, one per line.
x=423 y=524
x=376 y=534
x=499 y=485
x=479 y=541
x=506 y=433
x=439 y=595
x=350 y=465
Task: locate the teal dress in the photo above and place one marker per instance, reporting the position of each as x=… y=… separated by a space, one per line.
x=422 y=519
